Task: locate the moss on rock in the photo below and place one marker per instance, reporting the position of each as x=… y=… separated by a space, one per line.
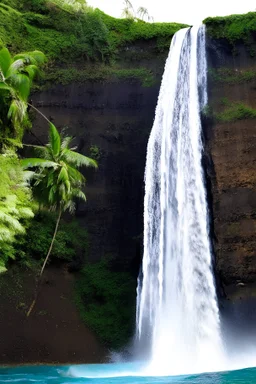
x=233 y=28
x=235 y=111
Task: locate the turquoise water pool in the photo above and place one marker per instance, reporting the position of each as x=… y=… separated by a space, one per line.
x=116 y=374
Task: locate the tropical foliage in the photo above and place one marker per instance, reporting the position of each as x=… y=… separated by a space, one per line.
x=16 y=76
x=57 y=182
x=67 y=34
x=130 y=13
x=16 y=205
x=70 y=245
x=105 y=299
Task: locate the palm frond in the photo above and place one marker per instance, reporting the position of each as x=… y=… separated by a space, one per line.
x=75 y=175
x=50 y=178
x=27 y=176
x=64 y=179
x=36 y=162
x=5 y=234
x=78 y=194
x=38 y=56
x=15 y=67
x=128 y=4
x=32 y=71
x=70 y=206
x=66 y=142
x=26 y=213
x=11 y=221
x=127 y=13
x=5 y=87
x=5 y=61
x=34 y=57
x=55 y=142
x=43 y=152
x=21 y=84
x=77 y=159
x=16 y=111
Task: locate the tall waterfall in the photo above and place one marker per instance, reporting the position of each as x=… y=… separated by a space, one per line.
x=177 y=309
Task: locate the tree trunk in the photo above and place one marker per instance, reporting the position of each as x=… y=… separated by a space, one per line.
x=40 y=113
x=45 y=262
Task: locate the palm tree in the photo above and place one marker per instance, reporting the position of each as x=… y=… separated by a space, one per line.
x=57 y=182
x=142 y=13
x=15 y=204
x=16 y=76
x=128 y=11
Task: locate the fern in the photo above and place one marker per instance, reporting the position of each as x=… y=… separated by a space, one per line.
x=16 y=206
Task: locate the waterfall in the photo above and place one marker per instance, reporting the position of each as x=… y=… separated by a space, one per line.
x=177 y=311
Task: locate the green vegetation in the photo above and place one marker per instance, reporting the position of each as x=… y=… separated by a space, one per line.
x=16 y=77
x=71 y=243
x=56 y=181
x=231 y=76
x=235 y=111
x=16 y=206
x=69 y=33
x=233 y=28
x=99 y=74
x=105 y=299
x=95 y=152
x=16 y=203
x=130 y=13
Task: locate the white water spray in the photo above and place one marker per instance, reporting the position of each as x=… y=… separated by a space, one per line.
x=177 y=311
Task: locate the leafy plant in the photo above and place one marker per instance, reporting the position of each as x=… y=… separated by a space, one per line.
x=106 y=301
x=16 y=206
x=233 y=28
x=95 y=152
x=57 y=183
x=235 y=111
x=71 y=243
x=16 y=76
x=68 y=32
x=130 y=13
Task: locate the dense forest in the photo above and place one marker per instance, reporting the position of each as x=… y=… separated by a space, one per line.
x=45 y=42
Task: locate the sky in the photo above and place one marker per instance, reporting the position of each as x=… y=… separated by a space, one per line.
x=181 y=11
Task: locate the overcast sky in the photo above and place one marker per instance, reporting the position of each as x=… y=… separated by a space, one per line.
x=183 y=11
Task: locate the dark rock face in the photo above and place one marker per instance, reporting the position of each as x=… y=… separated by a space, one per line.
x=116 y=119
x=231 y=154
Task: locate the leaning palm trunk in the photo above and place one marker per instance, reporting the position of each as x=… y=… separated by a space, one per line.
x=44 y=264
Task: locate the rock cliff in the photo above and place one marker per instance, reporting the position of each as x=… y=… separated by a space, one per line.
x=230 y=136
x=111 y=121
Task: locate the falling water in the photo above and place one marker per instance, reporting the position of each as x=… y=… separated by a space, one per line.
x=177 y=309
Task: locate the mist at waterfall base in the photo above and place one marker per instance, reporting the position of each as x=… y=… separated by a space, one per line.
x=179 y=333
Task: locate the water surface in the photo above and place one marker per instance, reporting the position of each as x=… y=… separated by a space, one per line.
x=116 y=374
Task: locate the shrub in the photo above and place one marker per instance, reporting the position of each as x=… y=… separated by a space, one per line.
x=106 y=301
x=71 y=243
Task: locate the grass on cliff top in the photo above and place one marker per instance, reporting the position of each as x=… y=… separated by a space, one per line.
x=68 y=33
x=233 y=28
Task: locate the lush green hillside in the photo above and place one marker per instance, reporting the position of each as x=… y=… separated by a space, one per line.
x=234 y=29
x=68 y=33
